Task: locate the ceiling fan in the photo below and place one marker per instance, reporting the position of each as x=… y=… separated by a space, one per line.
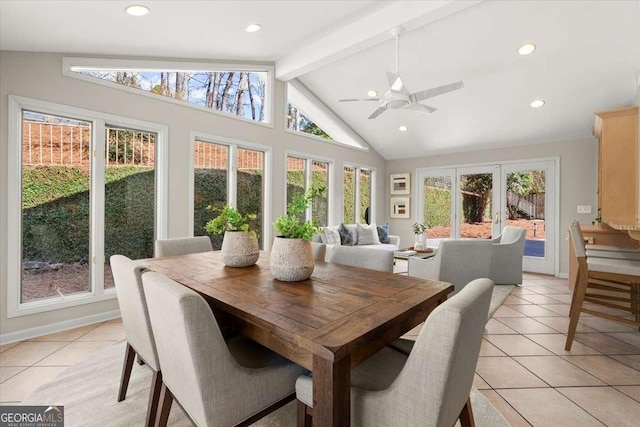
x=398 y=97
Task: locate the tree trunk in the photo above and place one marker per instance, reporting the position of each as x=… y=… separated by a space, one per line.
x=251 y=101
x=225 y=92
x=242 y=84
x=209 y=98
x=216 y=91
x=181 y=86
x=164 y=84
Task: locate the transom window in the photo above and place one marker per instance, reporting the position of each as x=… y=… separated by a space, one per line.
x=239 y=91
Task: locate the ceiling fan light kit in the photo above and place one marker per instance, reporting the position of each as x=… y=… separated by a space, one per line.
x=398 y=97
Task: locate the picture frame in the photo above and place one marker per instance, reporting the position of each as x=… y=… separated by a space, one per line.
x=400 y=207
x=400 y=183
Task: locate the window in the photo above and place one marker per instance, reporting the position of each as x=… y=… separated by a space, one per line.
x=308 y=115
x=302 y=172
x=235 y=90
x=358 y=194
x=297 y=121
x=85 y=187
x=228 y=172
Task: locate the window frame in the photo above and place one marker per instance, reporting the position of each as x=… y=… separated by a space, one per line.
x=68 y=63
x=97 y=292
x=372 y=198
x=309 y=159
x=233 y=145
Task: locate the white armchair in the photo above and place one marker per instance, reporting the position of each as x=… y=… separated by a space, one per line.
x=506 y=261
x=456 y=261
x=461 y=261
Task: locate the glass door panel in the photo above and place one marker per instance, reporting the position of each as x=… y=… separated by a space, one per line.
x=437 y=212
x=528 y=203
x=349 y=209
x=296 y=180
x=210 y=166
x=478 y=213
x=364 y=193
x=56 y=206
x=129 y=204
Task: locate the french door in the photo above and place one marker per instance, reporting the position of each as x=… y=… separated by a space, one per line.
x=479 y=201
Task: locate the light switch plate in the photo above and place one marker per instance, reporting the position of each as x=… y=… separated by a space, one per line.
x=584 y=209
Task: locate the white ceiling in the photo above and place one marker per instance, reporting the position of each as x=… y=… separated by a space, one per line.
x=588 y=57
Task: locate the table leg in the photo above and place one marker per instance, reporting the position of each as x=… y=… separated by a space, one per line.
x=331 y=392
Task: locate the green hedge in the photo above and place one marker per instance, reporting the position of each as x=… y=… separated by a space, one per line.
x=56 y=228
x=437 y=207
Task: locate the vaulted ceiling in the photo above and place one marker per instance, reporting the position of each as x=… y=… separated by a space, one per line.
x=587 y=57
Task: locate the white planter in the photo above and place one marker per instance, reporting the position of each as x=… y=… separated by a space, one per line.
x=420 y=242
x=240 y=249
x=291 y=259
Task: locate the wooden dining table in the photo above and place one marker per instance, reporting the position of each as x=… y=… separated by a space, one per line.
x=329 y=323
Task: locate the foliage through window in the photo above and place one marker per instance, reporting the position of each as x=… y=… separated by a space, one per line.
x=239 y=93
x=358 y=196
x=296 y=120
x=303 y=172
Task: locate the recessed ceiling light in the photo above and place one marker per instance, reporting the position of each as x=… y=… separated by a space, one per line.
x=527 y=49
x=402 y=128
x=537 y=103
x=137 y=10
x=253 y=28
x=372 y=93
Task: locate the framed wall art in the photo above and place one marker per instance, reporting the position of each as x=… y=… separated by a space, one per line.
x=400 y=183
x=399 y=207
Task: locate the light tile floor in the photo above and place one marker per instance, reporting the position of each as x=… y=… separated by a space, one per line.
x=523 y=368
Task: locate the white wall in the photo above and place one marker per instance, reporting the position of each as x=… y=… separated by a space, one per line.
x=578 y=180
x=39 y=76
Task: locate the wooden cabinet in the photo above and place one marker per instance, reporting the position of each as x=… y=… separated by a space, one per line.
x=617 y=132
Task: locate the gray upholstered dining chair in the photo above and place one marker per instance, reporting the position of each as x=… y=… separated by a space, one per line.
x=216 y=382
x=182 y=246
x=137 y=328
x=430 y=386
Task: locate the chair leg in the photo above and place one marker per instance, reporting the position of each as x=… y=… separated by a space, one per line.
x=576 y=307
x=304 y=417
x=164 y=407
x=466 y=415
x=154 y=398
x=129 y=356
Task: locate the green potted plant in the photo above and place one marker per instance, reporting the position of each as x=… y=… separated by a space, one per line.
x=291 y=254
x=420 y=230
x=239 y=244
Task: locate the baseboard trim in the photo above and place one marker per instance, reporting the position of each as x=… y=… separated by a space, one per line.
x=52 y=328
x=563 y=275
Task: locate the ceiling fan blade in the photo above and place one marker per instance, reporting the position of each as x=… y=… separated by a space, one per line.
x=430 y=93
x=395 y=82
x=379 y=111
x=358 y=99
x=421 y=108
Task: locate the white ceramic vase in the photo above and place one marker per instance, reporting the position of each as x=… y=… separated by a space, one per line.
x=291 y=259
x=240 y=249
x=420 y=242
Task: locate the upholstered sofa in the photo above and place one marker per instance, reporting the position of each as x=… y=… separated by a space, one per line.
x=376 y=256
x=461 y=261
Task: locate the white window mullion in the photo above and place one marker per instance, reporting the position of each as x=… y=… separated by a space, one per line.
x=356 y=202
x=97 y=194
x=308 y=170
x=232 y=175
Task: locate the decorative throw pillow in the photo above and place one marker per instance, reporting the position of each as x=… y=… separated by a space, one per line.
x=346 y=236
x=330 y=236
x=354 y=232
x=383 y=233
x=367 y=234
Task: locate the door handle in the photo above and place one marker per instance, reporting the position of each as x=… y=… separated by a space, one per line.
x=497 y=220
